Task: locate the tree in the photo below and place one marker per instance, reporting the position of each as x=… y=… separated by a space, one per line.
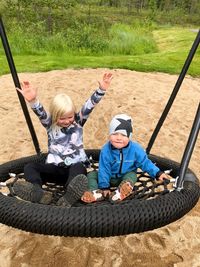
x=46 y=12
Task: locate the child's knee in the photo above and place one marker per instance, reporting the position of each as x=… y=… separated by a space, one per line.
x=131 y=177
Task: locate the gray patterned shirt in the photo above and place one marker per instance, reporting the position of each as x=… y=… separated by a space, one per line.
x=65 y=144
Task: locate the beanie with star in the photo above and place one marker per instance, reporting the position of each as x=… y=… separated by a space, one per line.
x=121 y=123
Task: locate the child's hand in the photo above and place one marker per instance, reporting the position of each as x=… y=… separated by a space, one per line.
x=28 y=92
x=105 y=83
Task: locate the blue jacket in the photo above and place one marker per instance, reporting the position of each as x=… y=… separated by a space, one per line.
x=114 y=163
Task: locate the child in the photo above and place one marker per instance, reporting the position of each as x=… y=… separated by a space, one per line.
x=119 y=159
x=66 y=161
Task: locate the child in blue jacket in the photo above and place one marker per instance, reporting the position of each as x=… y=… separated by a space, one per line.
x=119 y=160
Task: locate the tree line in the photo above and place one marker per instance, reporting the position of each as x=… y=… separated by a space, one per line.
x=52 y=15
x=189 y=6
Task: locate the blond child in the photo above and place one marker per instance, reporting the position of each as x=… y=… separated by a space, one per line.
x=66 y=160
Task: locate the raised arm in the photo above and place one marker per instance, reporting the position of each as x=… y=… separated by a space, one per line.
x=104 y=84
x=30 y=95
x=28 y=92
x=95 y=98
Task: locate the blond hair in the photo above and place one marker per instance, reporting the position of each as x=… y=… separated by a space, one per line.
x=60 y=105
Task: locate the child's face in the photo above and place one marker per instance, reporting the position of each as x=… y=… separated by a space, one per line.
x=66 y=119
x=118 y=140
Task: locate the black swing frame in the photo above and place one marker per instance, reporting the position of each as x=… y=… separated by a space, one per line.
x=194 y=130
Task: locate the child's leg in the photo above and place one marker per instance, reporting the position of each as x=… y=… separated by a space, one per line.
x=39 y=173
x=130 y=176
x=92 y=180
x=125 y=187
x=93 y=194
x=31 y=189
x=74 y=170
x=32 y=172
x=115 y=182
x=32 y=192
x=76 y=185
x=74 y=191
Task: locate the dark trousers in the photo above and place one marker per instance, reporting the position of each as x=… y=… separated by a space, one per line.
x=40 y=173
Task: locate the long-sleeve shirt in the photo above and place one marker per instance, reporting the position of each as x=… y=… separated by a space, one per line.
x=114 y=163
x=65 y=144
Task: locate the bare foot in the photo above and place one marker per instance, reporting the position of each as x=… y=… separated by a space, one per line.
x=125 y=190
x=92 y=196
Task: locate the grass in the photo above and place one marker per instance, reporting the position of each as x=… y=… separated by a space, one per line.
x=173 y=39
x=173 y=43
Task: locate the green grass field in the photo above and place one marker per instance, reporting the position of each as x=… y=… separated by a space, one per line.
x=173 y=45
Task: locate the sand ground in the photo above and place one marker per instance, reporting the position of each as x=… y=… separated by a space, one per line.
x=141 y=95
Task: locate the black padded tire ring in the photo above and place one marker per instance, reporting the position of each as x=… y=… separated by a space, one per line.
x=132 y=216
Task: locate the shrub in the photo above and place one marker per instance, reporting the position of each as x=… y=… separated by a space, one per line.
x=127 y=40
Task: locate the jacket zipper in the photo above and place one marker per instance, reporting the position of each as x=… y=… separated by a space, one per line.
x=121 y=161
